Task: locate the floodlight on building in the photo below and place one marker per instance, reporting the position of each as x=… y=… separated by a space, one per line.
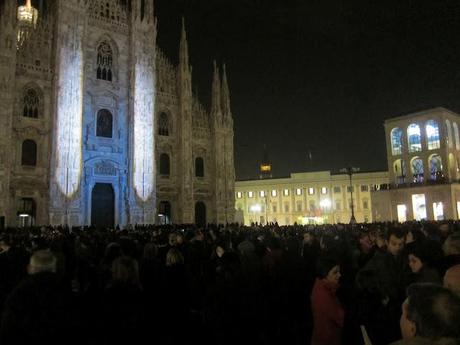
x=256 y=208
x=325 y=203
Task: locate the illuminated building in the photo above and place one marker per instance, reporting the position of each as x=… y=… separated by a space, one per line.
x=306 y=198
x=97 y=126
x=423 y=153
x=265 y=167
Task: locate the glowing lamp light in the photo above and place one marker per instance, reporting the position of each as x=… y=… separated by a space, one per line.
x=325 y=203
x=265 y=168
x=27 y=13
x=256 y=208
x=23 y=215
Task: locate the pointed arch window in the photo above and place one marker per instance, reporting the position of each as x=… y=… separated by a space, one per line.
x=31 y=103
x=199 y=167
x=104 y=124
x=163 y=124
x=104 y=62
x=29 y=153
x=396 y=141
x=414 y=138
x=165 y=166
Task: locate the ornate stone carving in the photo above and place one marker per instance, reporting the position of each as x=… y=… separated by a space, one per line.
x=105 y=168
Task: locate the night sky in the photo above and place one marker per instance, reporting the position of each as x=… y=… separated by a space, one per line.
x=319 y=76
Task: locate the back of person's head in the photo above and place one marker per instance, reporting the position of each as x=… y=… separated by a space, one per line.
x=452 y=279
x=452 y=244
x=325 y=264
x=150 y=251
x=430 y=311
x=125 y=270
x=42 y=261
x=174 y=257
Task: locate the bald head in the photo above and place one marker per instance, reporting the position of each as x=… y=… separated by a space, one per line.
x=452 y=279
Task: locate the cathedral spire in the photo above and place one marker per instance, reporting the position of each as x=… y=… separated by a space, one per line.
x=183 y=52
x=225 y=95
x=216 y=106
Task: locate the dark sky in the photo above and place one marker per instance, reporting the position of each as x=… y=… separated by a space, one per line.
x=319 y=75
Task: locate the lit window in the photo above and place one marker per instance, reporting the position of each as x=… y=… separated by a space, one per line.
x=286 y=207
x=323 y=190
x=396 y=141
x=365 y=204
x=449 y=134
x=457 y=137
x=312 y=206
x=262 y=194
x=274 y=193
x=438 y=211
x=364 y=188
x=337 y=190
x=432 y=135
x=274 y=208
x=298 y=191
x=239 y=195
x=414 y=138
x=311 y=191
x=250 y=194
x=286 y=192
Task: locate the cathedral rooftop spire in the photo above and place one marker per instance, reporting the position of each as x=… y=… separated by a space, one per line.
x=225 y=93
x=216 y=107
x=183 y=53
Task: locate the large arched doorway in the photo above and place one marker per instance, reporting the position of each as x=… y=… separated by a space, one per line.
x=103 y=205
x=164 y=213
x=200 y=213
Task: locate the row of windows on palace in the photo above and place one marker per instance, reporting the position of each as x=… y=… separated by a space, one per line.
x=414 y=137
x=299 y=206
x=299 y=191
x=29 y=158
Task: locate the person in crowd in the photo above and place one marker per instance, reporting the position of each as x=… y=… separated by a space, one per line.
x=383 y=277
x=420 y=263
x=452 y=279
x=37 y=310
x=451 y=249
x=430 y=316
x=328 y=314
x=123 y=314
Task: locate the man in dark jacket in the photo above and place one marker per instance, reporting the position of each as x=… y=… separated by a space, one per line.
x=383 y=279
x=37 y=310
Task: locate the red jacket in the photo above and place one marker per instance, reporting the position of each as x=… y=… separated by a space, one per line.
x=328 y=314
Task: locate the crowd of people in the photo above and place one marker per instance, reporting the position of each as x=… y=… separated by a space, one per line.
x=380 y=283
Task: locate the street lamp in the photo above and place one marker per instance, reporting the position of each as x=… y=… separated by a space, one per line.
x=350 y=171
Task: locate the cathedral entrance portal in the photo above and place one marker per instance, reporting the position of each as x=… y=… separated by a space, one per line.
x=200 y=213
x=103 y=205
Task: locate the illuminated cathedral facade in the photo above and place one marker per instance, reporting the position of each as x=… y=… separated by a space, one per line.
x=98 y=127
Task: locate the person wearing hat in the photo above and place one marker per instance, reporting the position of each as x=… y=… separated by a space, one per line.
x=328 y=313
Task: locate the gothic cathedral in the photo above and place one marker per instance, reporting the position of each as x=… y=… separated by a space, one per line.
x=98 y=127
